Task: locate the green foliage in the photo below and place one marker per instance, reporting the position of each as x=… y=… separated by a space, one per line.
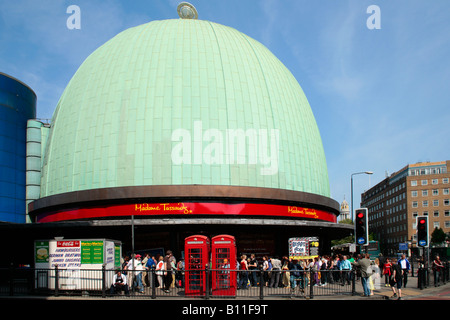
x=438 y=236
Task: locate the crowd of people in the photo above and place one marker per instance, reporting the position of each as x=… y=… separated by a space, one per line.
x=285 y=272
x=299 y=273
x=135 y=273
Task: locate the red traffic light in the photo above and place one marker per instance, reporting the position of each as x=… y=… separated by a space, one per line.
x=360 y=215
x=422 y=221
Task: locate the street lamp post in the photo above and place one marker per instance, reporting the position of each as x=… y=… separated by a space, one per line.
x=351 y=196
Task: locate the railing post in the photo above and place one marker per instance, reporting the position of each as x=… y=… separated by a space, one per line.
x=311 y=286
x=445 y=273
x=206 y=282
x=56 y=281
x=153 y=282
x=353 y=275
x=11 y=280
x=261 y=283
x=103 y=281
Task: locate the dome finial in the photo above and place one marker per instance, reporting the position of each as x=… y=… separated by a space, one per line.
x=187 y=11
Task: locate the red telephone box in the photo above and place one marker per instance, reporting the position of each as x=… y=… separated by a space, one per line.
x=223 y=264
x=196 y=252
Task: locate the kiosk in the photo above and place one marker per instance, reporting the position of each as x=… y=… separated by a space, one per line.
x=79 y=263
x=223 y=264
x=196 y=260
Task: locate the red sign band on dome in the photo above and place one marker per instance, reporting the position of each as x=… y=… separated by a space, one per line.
x=187 y=208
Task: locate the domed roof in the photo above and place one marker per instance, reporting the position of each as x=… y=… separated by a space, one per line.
x=344 y=206
x=157 y=104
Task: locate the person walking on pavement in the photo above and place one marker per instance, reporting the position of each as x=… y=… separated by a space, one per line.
x=404 y=265
x=396 y=280
x=387 y=272
x=364 y=265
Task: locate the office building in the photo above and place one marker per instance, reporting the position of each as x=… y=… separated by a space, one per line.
x=420 y=189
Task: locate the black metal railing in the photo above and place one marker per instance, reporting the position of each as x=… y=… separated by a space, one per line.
x=255 y=284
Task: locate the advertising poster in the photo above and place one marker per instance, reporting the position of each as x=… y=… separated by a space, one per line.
x=92 y=252
x=303 y=248
x=41 y=253
x=65 y=254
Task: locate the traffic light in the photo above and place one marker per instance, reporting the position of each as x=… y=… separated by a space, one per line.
x=361 y=227
x=422 y=231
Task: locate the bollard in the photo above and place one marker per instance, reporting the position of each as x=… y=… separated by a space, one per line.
x=420 y=278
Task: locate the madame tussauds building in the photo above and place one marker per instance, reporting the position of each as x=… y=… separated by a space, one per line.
x=182 y=127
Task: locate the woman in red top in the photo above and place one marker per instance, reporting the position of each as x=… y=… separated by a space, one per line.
x=387 y=272
x=243 y=275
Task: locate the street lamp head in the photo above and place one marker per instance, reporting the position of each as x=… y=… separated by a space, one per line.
x=368 y=172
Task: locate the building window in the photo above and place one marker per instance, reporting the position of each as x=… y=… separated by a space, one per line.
x=447 y=213
x=435 y=203
x=424 y=193
x=445 y=191
x=444 y=180
x=424 y=182
x=446 y=202
x=447 y=224
x=436 y=224
x=425 y=203
x=435 y=192
x=413 y=183
x=436 y=214
x=434 y=181
x=415 y=204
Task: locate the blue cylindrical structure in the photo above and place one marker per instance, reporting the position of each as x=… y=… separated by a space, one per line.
x=17 y=105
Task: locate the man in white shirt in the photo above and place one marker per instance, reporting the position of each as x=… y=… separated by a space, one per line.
x=139 y=268
x=404 y=264
x=276 y=269
x=119 y=283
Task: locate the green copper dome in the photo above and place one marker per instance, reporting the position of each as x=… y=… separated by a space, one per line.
x=182 y=102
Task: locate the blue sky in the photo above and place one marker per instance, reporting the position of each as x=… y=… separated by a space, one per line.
x=380 y=97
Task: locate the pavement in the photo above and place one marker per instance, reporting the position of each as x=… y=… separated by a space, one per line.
x=237 y=308
x=381 y=292
x=411 y=292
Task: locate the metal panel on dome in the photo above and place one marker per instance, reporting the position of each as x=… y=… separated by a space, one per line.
x=156 y=104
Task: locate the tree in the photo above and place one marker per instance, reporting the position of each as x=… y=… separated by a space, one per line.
x=438 y=236
x=348 y=239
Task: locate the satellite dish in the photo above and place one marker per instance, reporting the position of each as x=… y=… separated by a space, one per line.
x=187 y=11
